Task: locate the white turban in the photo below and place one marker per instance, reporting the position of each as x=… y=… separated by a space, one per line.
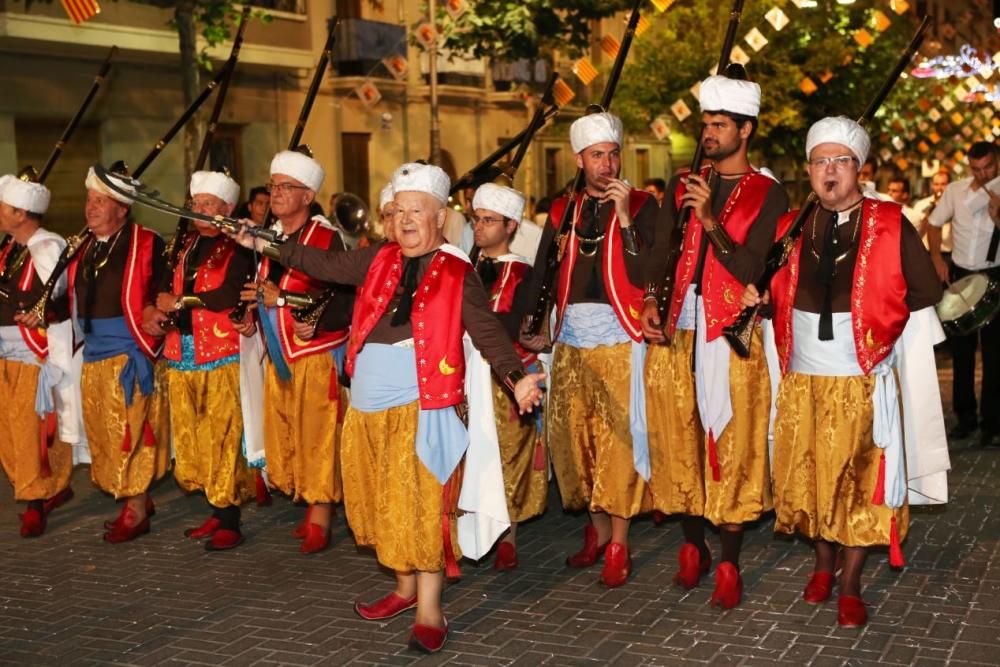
x=839 y=130
x=415 y=177
x=720 y=93
x=215 y=183
x=508 y=202
x=595 y=128
x=302 y=168
x=31 y=197
x=385 y=196
x=95 y=184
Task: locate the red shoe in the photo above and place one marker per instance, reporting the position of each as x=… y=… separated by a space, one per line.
x=124 y=533
x=263 y=494
x=57 y=500
x=317 y=538
x=506 y=557
x=223 y=539
x=389 y=606
x=427 y=639
x=299 y=532
x=588 y=555
x=206 y=529
x=851 y=612
x=819 y=588
x=728 y=586
x=617 y=565
x=150 y=511
x=692 y=567
x=32 y=522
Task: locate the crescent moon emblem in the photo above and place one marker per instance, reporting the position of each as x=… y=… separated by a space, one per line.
x=219 y=333
x=445 y=368
x=633 y=312
x=298 y=341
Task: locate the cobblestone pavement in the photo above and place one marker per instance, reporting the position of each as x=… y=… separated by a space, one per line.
x=67 y=598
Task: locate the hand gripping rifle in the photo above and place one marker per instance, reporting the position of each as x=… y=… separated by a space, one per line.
x=238 y=313
x=176 y=244
x=554 y=253
x=665 y=291
x=738 y=333
x=76 y=242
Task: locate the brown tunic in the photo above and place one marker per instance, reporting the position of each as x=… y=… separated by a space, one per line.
x=521 y=306
x=351 y=268
x=107 y=287
x=11 y=272
x=923 y=288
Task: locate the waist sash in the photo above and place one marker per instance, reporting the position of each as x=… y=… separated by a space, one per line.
x=110 y=337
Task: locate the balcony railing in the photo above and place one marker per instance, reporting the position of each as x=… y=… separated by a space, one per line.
x=362 y=44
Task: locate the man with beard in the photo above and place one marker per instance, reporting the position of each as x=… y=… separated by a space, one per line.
x=598 y=346
x=708 y=408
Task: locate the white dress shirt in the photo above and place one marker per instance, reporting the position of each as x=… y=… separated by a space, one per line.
x=971 y=227
x=921 y=209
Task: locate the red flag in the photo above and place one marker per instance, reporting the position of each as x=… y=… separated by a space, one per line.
x=81 y=10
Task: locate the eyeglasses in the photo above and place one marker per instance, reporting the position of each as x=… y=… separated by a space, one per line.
x=837 y=161
x=486 y=221
x=283 y=188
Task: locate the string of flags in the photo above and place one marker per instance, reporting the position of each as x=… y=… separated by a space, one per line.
x=81 y=10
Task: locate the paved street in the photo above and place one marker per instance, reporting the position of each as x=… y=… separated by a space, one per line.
x=69 y=599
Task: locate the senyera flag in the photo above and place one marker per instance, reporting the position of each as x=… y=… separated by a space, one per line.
x=81 y=10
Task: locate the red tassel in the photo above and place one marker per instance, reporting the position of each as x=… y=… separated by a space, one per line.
x=878 y=498
x=895 y=551
x=539 y=454
x=127 y=440
x=46 y=429
x=334 y=392
x=451 y=569
x=713 y=457
x=148 y=438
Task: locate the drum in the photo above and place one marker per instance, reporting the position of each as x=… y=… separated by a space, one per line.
x=969 y=304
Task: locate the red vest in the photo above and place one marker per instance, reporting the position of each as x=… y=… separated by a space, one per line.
x=720 y=291
x=135 y=287
x=625 y=298
x=878 y=294
x=214 y=335
x=436 y=319
x=36 y=339
x=315 y=235
x=502 y=297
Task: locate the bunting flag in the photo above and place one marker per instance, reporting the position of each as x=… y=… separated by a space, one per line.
x=562 y=93
x=585 y=70
x=81 y=10
x=610 y=46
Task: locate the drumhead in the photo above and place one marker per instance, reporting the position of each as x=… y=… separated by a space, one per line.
x=962 y=296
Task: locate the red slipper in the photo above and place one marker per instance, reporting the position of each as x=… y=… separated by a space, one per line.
x=124 y=533
x=692 y=567
x=299 y=532
x=206 y=529
x=389 y=606
x=224 y=539
x=819 y=588
x=57 y=500
x=32 y=522
x=728 y=586
x=617 y=565
x=317 y=539
x=506 y=557
x=428 y=639
x=588 y=555
x=150 y=512
x=263 y=493
x=851 y=612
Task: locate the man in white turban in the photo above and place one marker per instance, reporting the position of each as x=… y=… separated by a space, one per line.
x=598 y=345
x=35 y=362
x=203 y=364
x=302 y=396
x=853 y=308
x=708 y=407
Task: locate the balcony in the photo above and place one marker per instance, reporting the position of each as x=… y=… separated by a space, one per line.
x=362 y=44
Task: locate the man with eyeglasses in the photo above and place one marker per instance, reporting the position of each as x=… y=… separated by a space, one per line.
x=496 y=219
x=302 y=398
x=39 y=423
x=203 y=363
x=708 y=409
x=853 y=310
x=969 y=205
x=598 y=346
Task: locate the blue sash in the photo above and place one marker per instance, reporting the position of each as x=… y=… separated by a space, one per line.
x=110 y=337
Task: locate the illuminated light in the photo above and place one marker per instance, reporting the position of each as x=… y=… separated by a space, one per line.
x=899 y=6
x=845 y=2
x=808 y=86
x=804 y=4
x=755 y=38
x=777 y=18
x=680 y=110
x=863 y=38
x=964 y=64
x=881 y=21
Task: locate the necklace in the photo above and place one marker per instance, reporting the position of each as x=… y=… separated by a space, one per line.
x=11 y=267
x=93 y=268
x=854 y=235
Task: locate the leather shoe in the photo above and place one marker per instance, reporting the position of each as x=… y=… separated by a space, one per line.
x=692 y=568
x=819 y=588
x=57 y=500
x=728 y=586
x=299 y=532
x=263 y=493
x=617 y=565
x=32 y=522
x=317 y=539
x=961 y=430
x=224 y=539
x=124 y=533
x=851 y=612
x=206 y=529
x=428 y=639
x=588 y=555
x=506 y=557
x=150 y=512
x=389 y=606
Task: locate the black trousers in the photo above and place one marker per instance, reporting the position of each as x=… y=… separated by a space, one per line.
x=963 y=353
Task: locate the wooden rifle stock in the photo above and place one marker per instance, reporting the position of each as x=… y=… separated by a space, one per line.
x=553 y=254
x=738 y=334
x=665 y=292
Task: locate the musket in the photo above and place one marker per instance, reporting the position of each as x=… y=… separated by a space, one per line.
x=238 y=313
x=665 y=290
x=738 y=334
x=554 y=253
x=78 y=241
x=173 y=249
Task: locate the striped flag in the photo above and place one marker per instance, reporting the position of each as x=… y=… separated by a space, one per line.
x=585 y=71
x=562 y=93
x=81 y=10
x=610 y=46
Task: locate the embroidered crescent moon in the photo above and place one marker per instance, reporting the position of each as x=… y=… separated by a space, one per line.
x=298 y=341
x=44 y=333
x=633 y=312
x=445 y=368
x=219 y=333
x=870 y=340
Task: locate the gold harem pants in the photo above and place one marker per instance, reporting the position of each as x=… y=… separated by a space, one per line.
x=522 y=457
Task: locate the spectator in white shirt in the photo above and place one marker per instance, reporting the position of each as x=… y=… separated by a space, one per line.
x=923 y=208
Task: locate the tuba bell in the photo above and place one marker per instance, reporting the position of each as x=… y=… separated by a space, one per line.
x=350 y=215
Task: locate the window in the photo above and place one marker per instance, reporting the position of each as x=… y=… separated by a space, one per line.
x=641 y=166
x=552 y=183
x=354 y=161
